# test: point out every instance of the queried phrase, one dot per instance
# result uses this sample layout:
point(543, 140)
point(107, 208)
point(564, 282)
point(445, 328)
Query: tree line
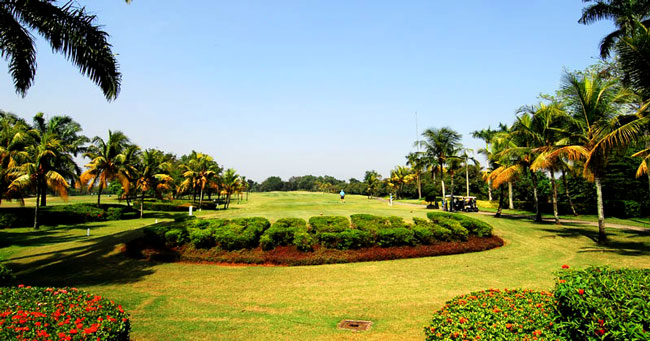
point(39, 158)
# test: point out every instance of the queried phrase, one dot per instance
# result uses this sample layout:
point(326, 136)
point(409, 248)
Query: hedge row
point(591, 304)
point(332, 232)
point(64, 214)
point(28, 313)
point(175, 206)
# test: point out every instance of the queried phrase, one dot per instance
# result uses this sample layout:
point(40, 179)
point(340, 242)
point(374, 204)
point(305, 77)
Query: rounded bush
point(28, 313)
point(395, 237)
point(304, 241)
point(201, 238)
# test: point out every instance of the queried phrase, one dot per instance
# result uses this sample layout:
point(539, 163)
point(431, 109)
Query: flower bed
point(28, 313)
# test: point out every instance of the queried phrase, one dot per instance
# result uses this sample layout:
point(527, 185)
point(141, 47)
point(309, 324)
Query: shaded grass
point(195, 301)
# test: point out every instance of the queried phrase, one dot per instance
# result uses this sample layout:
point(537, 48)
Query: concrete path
point(531, 217)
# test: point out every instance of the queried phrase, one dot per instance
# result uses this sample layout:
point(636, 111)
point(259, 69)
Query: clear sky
point(313, 87)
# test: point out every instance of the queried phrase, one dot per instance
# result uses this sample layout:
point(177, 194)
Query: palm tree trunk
point(554, 185)
point(500, 209)
point(602, 237)
point(417, 177)
point(141, 204)
point(99, 194)
point(568, 195)
point(36, 208)
point(538, 214)
point(466, 178)
point(511, 205)
point(201, 199)
point(444, 198)
point(43, 194)
point(489, 189)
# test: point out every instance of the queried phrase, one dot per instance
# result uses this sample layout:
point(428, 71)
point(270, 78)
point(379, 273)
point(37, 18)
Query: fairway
point(176, 301)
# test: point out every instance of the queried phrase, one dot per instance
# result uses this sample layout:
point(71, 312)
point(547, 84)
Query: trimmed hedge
point(329, 223)
point(64, 214)
point(604, 304)
point(399, 236)
point(283, 232)
point(368, 222)
point(346, 240)
point(6, 275)
point(473, 225)
point(60, 314)
point(458, 232)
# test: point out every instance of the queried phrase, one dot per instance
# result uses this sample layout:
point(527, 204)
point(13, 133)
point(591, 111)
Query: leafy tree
point(272, 183)
point(439, 145)
point(151, 174)
point(417, 162)
point(70, 31)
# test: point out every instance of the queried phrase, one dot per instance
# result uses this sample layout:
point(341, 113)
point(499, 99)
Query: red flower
point(601, 322)
point(73, 331)
point(565, 266)
point(581, 292)
point(600, 332)
point(562, 281)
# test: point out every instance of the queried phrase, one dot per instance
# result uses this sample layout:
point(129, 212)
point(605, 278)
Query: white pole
point(88, 232)
point(191, 210)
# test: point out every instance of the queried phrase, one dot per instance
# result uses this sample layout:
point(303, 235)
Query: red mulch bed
point(289, 255)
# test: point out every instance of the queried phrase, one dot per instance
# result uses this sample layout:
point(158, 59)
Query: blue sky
point(313, 87)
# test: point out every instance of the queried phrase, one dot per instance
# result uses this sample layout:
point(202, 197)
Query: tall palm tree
point(107, 162)
point(439, 144)
point(14, 138)
point(467, 158)
point(151, 174)
point(230, 182)
point(70, 30)
point(417, 163)
point(624, 13)
point(372, 180)
point(486, 135)
point(67, 131)
point(399, 177)
point(36, 170)
point(199, 172)
point(595, 104)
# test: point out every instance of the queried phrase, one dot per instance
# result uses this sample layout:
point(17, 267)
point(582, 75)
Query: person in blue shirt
point(342, 196)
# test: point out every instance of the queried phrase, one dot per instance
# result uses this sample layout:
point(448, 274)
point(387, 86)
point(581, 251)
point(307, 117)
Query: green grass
point(200, 301)
point(640, 221)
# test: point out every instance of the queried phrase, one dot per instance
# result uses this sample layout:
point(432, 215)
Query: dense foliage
point(28, 313)
point(64, 214)
point(591, 304)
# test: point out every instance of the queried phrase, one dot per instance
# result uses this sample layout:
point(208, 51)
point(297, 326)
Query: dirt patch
point(355, 325)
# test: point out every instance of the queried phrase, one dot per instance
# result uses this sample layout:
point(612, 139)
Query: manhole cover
point(355, 325)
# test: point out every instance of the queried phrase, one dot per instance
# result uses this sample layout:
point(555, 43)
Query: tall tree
point(151, 174)
point(417, 163)
point(439, 144)
point(14, 138)
point(486, 135)
point(70, 30)
point(107, 162)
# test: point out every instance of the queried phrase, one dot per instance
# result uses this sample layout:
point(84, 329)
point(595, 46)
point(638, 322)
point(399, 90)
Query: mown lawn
point(202, 301)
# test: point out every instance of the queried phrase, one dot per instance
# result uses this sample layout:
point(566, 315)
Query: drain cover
point(355, 325)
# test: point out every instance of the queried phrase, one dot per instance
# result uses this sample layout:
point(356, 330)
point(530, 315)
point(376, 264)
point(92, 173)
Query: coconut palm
point(417, 163)
point(70, 30)
point(107, 162)
point(486, 135)
point(14, 138)
point(151, 174)
point(230, 182)
point(399, 177)
point(36, 170)
point(465, 156)
point(199, 173)
point(624, 13)
point(439, 144)
point(67, 131)
point(595, 105)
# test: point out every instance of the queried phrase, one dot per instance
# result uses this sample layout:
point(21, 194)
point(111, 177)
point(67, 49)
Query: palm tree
point(66, 130)
point(70, 31)
point(467, 158)
point(595, 104)
point(486, 135)
point(230, 182)
point(417, 163)
point(440, 144)
point(151, 174)
point(624, 13)
point(399, 177)
point(199, 172)
point(107, 162)
point(14, 138)
point(36, 170)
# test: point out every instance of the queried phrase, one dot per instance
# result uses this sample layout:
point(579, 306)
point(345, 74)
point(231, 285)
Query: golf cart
point(460, 203)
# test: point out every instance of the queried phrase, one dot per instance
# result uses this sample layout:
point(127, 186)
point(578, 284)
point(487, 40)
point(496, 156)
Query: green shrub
point(604, 304)
point(474, 226)
point(60, 314)
point(182, 217)
point(495, 315)
point(7, 221)
point(291, 222)
point(399, 236)
point(201, 238)
point(329, 223)
point(368, 222)
point(354, 239)
point(424, 234)
point(6, 275)
point(458, 232)
point(176, 236)
point(156, 233)
point(304, 241)
point(623, 208)
point(114, 213)
point(282, 233)
point(441, 233)
point(175, 206)
point(229, 238)
point(199, 223)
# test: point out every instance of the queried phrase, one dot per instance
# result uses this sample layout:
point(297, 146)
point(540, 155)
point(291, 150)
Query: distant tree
point(272, 183)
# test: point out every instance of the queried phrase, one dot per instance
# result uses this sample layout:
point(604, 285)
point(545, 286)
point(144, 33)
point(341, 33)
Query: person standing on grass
point(342, 196)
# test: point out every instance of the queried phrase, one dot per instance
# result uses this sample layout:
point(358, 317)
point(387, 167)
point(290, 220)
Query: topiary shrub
point(399, 236)
point(474, 226)
point(354, 239)
point(176, 236)
point(495, 315)
point(304, 241)
point(60, 314)
point(604, 304)
point(458, 232)
point(329, 223)
point(201, 238)
point(368, 222)
point(424, 234)
point(282, 233)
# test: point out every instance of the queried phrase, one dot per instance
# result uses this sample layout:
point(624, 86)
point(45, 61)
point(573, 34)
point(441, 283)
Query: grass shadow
point(615, 244)
point(96, 262)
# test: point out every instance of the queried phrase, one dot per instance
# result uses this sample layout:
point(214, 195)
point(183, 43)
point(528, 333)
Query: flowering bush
point(28, 313)
point(496, 315)
point(602, 303)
